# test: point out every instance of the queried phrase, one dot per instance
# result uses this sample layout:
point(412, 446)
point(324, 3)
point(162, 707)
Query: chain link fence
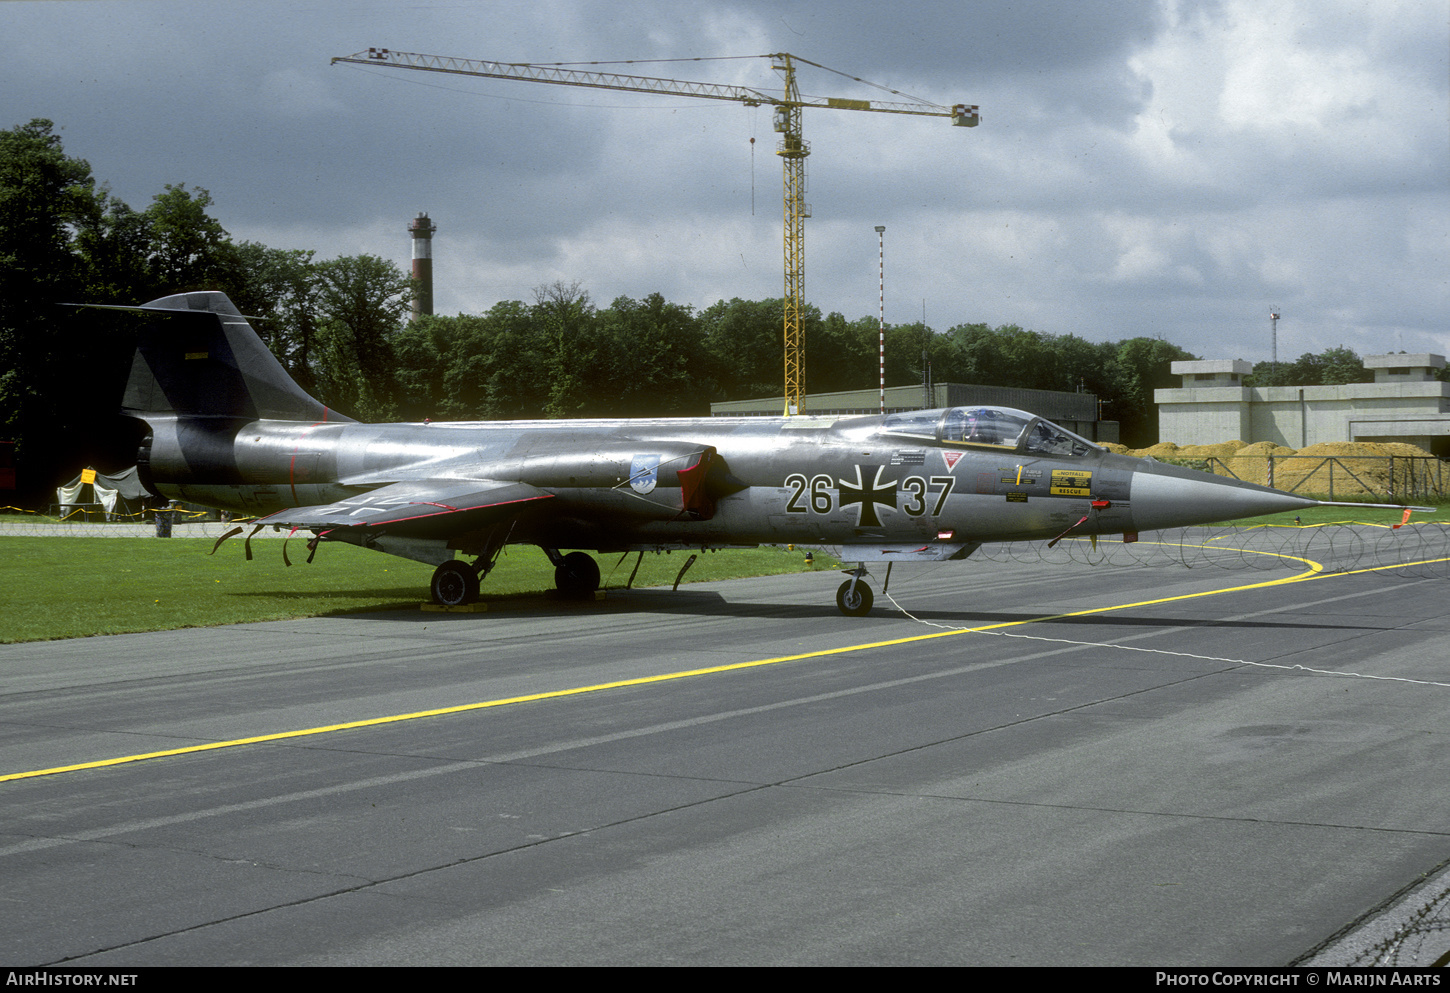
point(1393, 477)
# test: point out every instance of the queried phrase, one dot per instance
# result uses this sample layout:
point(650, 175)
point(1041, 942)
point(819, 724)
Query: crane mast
point(793, 150)
point(792, 147)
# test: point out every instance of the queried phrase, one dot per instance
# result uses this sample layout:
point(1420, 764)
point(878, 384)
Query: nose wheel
point(854, 598)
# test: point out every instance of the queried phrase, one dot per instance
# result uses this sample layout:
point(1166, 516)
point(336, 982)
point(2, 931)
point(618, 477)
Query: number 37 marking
point(822, 500)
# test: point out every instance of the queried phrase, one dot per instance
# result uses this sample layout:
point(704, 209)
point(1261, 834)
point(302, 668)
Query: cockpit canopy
point(991, 427)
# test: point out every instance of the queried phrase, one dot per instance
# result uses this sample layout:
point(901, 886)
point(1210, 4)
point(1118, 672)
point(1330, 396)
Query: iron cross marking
point(868, 495)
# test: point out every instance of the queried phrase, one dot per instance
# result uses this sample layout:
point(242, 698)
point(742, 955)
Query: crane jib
point(793, 148)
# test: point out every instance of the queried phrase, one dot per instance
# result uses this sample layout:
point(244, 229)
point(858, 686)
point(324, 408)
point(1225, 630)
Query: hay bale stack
point(1251, 462)
point(1221, 450)
point(1162, 450)
point(1410, 451)
point(1201, 454)
point(1361, 467)
point(1364, 460)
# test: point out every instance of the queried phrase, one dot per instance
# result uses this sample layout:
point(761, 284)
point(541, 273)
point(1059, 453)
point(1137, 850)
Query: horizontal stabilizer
point(418, 508)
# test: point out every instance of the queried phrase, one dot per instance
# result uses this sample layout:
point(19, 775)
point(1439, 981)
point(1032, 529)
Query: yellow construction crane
point(792, 147)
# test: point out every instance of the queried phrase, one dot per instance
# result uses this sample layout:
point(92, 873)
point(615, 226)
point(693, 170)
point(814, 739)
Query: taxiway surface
point(1118, 787)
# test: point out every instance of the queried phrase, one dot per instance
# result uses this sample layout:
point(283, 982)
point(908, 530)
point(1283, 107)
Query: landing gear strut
point(454, 583)
point(854, 598)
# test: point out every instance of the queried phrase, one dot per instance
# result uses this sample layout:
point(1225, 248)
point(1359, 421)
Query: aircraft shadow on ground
point(708, 603)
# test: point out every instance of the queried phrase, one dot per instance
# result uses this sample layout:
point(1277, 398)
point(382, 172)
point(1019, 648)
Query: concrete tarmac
point(1150, 783)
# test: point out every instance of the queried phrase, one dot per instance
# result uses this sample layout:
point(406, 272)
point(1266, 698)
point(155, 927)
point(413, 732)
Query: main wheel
point(454, 584)
point(577, 575)
point(857, 602)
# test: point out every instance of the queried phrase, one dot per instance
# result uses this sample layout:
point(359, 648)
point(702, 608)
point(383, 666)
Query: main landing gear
point(576, 574)
point(455, 583)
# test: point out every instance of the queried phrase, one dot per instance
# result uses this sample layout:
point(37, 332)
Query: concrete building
point(1405, 403)
point(1078, 412)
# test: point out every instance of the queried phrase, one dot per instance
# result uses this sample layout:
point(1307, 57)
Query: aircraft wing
point(418, 508)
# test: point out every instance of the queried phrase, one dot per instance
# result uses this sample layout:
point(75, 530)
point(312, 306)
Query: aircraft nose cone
point(1165, 496)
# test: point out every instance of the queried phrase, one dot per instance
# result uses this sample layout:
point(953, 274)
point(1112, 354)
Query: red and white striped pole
point(881, 265)
point(422, 230)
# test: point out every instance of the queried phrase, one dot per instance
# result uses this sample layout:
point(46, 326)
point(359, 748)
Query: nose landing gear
point(854, 598)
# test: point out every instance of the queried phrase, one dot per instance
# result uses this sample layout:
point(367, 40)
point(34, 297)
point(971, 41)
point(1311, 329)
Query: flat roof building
point(1405, 403)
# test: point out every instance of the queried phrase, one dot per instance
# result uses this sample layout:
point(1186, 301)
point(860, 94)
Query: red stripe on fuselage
point(292, 466)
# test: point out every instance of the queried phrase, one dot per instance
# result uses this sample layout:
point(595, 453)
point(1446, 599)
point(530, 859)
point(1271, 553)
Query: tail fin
point(204, 359)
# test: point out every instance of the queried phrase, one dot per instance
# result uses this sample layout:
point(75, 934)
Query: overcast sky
point(1171, 168)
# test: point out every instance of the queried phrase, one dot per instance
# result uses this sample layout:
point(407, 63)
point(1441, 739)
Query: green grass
point(76, 587)
point(1351, 515)
point(55, 587)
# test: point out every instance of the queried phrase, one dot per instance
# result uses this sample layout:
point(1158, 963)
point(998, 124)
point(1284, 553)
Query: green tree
point(361, 300)
point(1331, 367)
point(744, 342)
point(648, 360)
point(116, 254)
point(840, 354)
point(505, 361)
point(1141, 366)
point(1339, 366)
point(564, 319)
point(54, 368)
point(473, 367)
point(422, 352)
point(189, 249)
point(280, 289)
point(1086, 365)
point(905, 345)
point(975, 356)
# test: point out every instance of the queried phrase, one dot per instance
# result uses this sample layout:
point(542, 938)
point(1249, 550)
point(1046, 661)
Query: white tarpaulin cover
point(124, 485)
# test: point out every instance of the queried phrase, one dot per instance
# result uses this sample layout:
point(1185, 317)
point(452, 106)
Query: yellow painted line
point(1332, 524)
point(1314, 571)
point(1384, 568)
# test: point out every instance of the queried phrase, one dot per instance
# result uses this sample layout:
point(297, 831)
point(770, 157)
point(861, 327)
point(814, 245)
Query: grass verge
point(1346, 515)
point(77, 587)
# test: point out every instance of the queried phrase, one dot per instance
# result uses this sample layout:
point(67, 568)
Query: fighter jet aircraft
point(228, 428)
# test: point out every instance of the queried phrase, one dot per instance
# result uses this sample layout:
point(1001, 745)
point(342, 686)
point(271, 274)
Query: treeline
point(562, 357)
point(66, 239)
point(1331, 367)
point(339, 327)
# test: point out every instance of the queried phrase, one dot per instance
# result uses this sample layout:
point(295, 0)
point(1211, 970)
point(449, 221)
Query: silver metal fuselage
point(228, 427)
point(813, 480)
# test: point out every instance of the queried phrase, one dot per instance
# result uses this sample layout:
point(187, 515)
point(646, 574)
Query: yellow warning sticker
point(1071, 482)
